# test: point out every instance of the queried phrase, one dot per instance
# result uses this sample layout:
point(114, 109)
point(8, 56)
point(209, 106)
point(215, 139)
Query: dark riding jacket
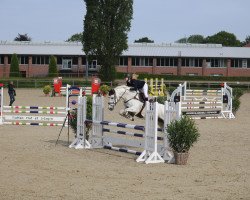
point(135, 84)
point(11, 89)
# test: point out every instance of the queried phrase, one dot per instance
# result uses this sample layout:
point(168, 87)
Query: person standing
point(12, 92)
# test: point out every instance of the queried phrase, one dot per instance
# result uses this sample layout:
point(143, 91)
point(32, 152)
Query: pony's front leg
point(129, 113)
point(123, 112)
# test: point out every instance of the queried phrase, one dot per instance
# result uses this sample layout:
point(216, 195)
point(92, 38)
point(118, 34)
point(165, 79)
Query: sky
point(164, 21)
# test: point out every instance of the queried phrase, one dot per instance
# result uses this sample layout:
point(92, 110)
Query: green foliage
point(235, 105)
point(73, 118)
point(75, 38)
point(47, 89)
point(237, 93)
point(107, 72)
point(89, 107)
point(246, 41)
point(198, 39)
point(14, 66)
point(106, 26)
point(182, 134)
point(161, 99)
point(22, 37)
point(220, 79)
point(170, 90)
point(104, 89)
point(144, 39)
point(73, 121)
point(224, 38)
point(53, 72)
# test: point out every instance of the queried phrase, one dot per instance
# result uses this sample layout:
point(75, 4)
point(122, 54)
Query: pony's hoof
point(139, 115)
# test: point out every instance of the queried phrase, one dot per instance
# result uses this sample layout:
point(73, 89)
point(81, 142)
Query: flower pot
point(181, 158)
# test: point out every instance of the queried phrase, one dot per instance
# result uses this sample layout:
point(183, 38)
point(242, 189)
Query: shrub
point(14, 66)
point(161, 100)
point(53, 72)
point(182, 134)
point(237, 92)
point(46, 89)
point(104, 89)
point(235, 105)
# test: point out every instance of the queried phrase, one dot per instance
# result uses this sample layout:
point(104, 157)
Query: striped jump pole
point(40, 115)
point(138, 153)
point(127, 133)
point(99, 140)
point(33, 124)
point(204, 104)
point(35, 107)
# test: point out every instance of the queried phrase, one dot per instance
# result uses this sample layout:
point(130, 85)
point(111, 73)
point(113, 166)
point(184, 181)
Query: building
point(169, 59)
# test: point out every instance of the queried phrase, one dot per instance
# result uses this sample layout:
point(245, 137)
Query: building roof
point(136, 49)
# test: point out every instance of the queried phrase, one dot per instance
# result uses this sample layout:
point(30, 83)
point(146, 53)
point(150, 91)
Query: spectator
point(12, 92)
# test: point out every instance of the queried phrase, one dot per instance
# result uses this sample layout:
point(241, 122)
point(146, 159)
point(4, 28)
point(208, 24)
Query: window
point(168, 62)
point(84, 60)
point(59, 60)
point(135, 61)
point(142, 61)
point(1, 59)
point(240, 63)
point(123, 61)
point(244, 63)
point(75, 60)
point(92, 65)
point(66, 63)
point(215, 62)
point(191, 62)
point(40, 60)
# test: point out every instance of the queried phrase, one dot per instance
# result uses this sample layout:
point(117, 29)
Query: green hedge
point(187, 78)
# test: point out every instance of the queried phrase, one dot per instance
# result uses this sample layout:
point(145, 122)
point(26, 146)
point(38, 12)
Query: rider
point(140, 85)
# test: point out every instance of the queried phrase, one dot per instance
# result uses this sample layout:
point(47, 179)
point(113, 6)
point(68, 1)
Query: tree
point(144, 39)
point(22, 37)
point(75, 38)
point(182, 40)
point(224, 38)
point(106, 26)
point(14, 66)
point(52, 67)
point(247, 40)
point(196, 39)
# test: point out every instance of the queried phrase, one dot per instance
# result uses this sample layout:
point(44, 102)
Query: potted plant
point(104, 89)
point(182, 134)
point(46, 90)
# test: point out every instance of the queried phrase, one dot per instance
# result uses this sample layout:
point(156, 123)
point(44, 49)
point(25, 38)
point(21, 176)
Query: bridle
point(113, 92)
